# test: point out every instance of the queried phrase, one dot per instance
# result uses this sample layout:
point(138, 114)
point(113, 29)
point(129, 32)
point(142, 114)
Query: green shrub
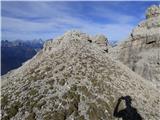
point(39, 105)
point(73, 87)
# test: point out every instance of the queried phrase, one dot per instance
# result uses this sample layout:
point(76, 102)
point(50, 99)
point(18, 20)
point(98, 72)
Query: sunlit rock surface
point(72, 78)
point(141, 52)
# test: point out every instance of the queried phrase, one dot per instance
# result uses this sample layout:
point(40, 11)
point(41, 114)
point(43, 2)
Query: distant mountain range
point(14, 53)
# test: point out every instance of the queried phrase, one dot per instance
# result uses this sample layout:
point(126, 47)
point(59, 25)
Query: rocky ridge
point(141, 51)
point(74, 78)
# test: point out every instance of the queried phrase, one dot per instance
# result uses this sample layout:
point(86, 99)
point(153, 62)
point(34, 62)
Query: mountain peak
point(73, 78)
point(153, 11)
point(76, 37)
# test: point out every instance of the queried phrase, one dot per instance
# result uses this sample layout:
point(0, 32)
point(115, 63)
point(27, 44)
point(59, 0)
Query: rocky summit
point(74, 78)
point(141, 51)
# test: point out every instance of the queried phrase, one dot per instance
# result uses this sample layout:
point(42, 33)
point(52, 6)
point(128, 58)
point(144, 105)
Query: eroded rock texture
point(141, 52)
point(72, 78)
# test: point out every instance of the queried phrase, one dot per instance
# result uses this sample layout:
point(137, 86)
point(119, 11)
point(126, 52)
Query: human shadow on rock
point(129, 113)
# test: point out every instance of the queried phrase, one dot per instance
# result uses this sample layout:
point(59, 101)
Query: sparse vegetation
point(17, 93)
point(51, 83)
point(48, 68)
point(62, 82)
point(73, 87)
point(30, 104)
point(62, 68)
point(92, 112)
point(94, 82)
point(33, 92)
point(37, 77)
point(80, 118)
point(39, 105)
point(31, 116)
point(84, 90)
point(70, 95)
point(55, 115)
point(12, 111)
point(45, 91)
point(4, 101)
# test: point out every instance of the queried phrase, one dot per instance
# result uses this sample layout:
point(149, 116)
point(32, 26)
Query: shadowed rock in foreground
point(74, 78)
point(128, 113)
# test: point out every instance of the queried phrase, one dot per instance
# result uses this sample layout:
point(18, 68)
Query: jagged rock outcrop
point(141, 52)
point(153, 11)
point(102, 41)
point(72, 78)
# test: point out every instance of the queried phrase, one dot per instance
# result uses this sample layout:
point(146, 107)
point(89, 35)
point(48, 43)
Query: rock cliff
point(72, 78)
point(141, 52)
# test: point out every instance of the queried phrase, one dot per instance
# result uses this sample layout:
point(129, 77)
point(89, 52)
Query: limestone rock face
point(74, 79)
point(153, 11)
point(141, 52)
point(102, 41)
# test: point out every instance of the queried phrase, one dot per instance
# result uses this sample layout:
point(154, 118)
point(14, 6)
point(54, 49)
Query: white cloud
point(114, 16)
point(58, 19)
point(24, 29)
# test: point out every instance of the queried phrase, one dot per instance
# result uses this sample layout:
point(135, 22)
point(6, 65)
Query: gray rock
point(74, 79)
point(141, 52)
point(102, 41)
point(153, 11)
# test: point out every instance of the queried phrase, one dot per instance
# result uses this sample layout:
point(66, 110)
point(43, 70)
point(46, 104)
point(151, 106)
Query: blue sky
point(34, 20)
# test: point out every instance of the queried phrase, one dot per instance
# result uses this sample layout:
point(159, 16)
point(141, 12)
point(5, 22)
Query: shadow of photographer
point(129, 113)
